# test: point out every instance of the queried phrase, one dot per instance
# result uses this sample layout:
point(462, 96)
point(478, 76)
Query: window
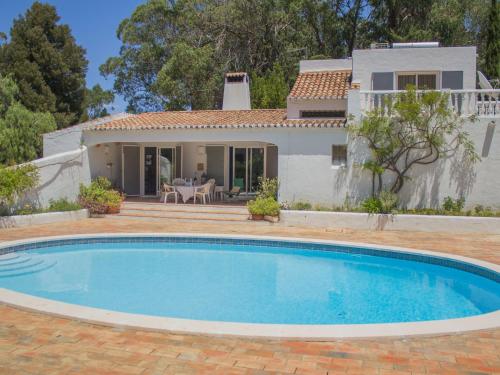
point(322, 114)
point(233, 79)
point(339, 155)
point(420, 81)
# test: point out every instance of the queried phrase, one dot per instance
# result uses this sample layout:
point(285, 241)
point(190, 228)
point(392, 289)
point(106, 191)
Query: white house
point(305, 145)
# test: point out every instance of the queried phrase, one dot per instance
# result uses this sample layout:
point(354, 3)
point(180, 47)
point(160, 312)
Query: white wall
point(106, 160)
point(365, 62)
point(60, 177)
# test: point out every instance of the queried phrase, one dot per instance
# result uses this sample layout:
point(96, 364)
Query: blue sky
point(93, 24)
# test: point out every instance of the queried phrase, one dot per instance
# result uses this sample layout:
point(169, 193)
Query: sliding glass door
point(248, 164)
point(166, 165)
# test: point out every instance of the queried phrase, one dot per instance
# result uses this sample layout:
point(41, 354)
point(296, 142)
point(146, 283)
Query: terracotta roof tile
point(214, 119)
point(321, 85)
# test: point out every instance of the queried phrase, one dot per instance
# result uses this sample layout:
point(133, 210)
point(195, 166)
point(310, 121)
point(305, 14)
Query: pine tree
point(47, 64)
point(492, 53)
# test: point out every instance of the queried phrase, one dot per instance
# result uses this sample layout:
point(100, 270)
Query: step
point(174, 219)
point(14, 260)
point(38, 267)
point(184, 214)
point(14, 267)
point(185, 207)
point(8, 256)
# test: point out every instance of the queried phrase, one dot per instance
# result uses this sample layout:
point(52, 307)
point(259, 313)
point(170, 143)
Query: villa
point(305, 145)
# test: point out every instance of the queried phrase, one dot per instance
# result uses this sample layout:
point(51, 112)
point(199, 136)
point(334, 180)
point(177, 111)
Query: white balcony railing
point(482, 103)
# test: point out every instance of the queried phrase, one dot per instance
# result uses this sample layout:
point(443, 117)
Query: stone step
point(184, 214)
point(185, 219)
point(189, 207)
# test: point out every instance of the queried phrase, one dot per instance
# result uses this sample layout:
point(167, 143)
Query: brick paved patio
point(32, 343)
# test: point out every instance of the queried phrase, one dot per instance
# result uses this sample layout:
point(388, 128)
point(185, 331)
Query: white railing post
point(482, 103)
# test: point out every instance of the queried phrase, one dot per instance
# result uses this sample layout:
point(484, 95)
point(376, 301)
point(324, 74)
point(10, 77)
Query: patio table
point(187, 192)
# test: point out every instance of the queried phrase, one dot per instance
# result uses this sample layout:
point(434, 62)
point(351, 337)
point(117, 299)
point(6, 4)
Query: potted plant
point(99, 198)
point(264, 208)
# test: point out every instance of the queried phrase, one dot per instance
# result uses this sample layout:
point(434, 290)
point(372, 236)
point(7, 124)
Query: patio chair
point(203, 192)
point(212, 189)
point(168, 190)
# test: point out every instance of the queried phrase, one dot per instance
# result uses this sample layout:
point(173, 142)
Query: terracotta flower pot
point(113, 210)
point(257, 217)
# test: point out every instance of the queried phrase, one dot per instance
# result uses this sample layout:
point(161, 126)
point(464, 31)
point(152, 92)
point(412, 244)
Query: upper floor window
point(322, 114)
point(422, 81)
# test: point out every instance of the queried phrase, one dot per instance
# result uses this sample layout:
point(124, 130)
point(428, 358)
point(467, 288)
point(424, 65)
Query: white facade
point(304, 155)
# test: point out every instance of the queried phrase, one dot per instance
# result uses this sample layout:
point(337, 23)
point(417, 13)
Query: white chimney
point(236, 91)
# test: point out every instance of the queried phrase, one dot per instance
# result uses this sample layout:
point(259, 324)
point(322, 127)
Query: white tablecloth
point(187, 192)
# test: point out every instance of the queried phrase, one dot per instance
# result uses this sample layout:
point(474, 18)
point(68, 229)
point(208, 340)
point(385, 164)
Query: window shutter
point(453, 80)
point(383, 81)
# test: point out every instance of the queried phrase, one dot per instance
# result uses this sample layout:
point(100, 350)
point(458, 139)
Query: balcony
point(481, 103)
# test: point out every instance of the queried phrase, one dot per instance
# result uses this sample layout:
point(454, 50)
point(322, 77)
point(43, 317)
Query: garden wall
point(423, 223)
point(45, 218)
point(60, 177)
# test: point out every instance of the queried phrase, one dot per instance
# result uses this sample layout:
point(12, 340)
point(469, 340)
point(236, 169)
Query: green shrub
point(372, 205)
point(388, 202)
point(62, 205)
point(103, 183)
point(301, 206)
point(319, 207)
point(16, 181)
point(264, 206)
point(98, 198)
point(27, 209)
point(268, 188)
point(453, 205)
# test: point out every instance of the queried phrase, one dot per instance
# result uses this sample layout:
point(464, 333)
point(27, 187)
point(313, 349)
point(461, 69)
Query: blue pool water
point(248, 283)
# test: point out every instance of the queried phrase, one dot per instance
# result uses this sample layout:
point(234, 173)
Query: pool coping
point(252, 330)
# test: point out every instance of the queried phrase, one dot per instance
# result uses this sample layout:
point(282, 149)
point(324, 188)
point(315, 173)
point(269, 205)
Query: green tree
point(47, 64)
point(414, 129)
point(492, 47)
point(20, 129)
point(189, 79)
point(269, 90)
point(96, 102)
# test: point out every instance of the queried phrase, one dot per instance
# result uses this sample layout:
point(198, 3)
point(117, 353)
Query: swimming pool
point(250, 281)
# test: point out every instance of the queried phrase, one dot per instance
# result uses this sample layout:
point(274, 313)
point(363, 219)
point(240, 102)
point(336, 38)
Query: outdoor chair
point(212, 189)
point(168, 190)
point(203, 192)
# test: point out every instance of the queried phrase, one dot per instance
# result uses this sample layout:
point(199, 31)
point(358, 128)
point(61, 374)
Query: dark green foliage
point(453, 205)
point(269, 90)
point(492, 47)
point(174, 53)
point(47, 64)
point(96, 100)
point(20, 129)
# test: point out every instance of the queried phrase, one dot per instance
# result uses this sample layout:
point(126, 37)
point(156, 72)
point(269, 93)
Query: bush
point(62, 205)
point(103, 183)
point(453, 205)
point(98, 198)
point(16, 181)
point(388, 202)
point(268, 188)
point(372, 205)
point(301, 206)
point(264, 206)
